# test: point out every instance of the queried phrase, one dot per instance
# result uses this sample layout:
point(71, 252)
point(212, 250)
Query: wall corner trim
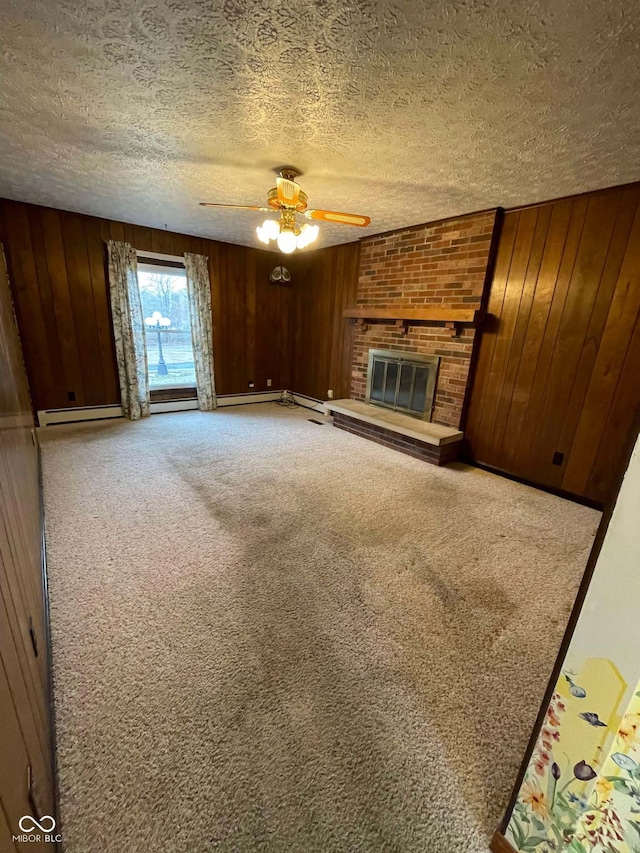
point(499, 844)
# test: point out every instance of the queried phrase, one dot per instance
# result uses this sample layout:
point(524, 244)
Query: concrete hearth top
point(394, 421)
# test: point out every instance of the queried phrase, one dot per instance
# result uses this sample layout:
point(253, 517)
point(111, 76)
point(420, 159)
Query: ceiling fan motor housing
point(274, 199)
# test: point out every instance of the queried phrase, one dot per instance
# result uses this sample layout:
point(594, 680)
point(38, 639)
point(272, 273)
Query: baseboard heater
point(309, 402)
point(84, 413)
point(47, 417)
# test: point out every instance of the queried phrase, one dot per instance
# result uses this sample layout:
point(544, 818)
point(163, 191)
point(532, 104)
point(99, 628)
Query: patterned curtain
point(199, 289)
point(128, 328)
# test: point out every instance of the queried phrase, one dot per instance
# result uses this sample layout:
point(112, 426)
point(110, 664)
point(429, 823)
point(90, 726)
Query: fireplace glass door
point(404, 382)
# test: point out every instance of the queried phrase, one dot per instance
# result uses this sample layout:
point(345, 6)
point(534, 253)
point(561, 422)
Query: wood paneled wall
point(558, 368)
point(324, 283)
point(57, 267)
point(253, 334)
point(25, 733)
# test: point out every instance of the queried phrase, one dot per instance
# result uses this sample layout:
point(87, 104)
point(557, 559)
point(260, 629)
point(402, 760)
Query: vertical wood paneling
point(528, 365)
point(24, 694)
point(58, 270)
point(608, 379)
point(490, 336)
point(63, 316)
point(46, 298)
point(250, 317)
point(20, 592)
point(81, 287)
point(507, 332)
point(24, 279)
point(6, 842)
point(325, 282)
point(511, 268)
point(528, 440)
point(508, 400)
point(96, 253)
point(25, 736)
point(116, 232)
point(616, 429)
point(593, 342)
point(570, 340)
point(553, 373)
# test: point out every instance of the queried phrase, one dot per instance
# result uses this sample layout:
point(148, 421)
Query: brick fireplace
point(439, 264)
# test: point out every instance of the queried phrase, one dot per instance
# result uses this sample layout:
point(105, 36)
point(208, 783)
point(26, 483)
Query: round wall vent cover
point(281, 275)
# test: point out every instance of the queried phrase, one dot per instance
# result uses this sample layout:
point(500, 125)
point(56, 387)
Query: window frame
point(168, 264)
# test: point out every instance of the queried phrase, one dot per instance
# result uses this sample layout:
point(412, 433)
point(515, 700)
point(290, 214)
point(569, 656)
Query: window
point(165, 306)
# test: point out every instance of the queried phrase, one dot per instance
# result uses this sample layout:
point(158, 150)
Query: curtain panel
point(199, 289)
point(128, 329)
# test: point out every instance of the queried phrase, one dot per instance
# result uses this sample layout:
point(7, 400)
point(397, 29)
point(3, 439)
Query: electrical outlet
point(268, 383)
point(329, 394)
point(252, 384)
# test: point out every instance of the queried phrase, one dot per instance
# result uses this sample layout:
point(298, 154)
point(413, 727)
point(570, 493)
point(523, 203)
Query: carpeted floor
point(270, 635)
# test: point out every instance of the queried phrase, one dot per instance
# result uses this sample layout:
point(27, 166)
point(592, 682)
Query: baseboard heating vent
point(77, 414)
point(308, 402)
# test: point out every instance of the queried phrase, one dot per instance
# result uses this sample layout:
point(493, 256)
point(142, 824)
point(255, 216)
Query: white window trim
point(157, 269)
point(157, 256)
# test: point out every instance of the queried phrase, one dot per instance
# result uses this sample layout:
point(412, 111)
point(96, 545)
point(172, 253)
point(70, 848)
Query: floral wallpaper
point(581, 792)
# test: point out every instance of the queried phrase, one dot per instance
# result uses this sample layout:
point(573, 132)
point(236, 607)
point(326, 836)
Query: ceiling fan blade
point(288, 191)
point(234, 206)
point(342, 218)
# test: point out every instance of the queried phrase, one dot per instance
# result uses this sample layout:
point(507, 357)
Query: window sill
point(175, 392)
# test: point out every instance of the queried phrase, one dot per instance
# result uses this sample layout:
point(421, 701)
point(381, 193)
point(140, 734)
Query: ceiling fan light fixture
point(262, 235)
point(308, 235)
point(287, 242)
point(271, 228)
point(288, 199)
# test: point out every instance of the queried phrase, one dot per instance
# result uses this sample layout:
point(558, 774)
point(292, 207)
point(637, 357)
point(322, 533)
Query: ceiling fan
point(288, 198)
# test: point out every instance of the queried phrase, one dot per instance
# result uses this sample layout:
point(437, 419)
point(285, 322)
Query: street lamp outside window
point(158, 322)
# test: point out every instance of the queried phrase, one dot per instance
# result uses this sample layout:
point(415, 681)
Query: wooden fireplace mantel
point(404, 315)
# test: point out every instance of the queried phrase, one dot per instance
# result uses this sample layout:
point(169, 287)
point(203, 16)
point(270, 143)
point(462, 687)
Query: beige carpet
point(270, 635)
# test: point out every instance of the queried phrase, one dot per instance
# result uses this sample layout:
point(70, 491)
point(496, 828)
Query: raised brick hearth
point(439, 264)
point(430, 442)
point(436, 454)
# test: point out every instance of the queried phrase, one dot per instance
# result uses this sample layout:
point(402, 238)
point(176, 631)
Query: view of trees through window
point(165, 307)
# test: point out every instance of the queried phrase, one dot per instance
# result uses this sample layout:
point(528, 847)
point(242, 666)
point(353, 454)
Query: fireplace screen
point(404, 382)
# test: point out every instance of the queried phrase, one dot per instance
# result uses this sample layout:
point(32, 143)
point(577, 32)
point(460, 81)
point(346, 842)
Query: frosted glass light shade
point(271, 228)
point(287, 242)
point(307, 235)
point(262, 236)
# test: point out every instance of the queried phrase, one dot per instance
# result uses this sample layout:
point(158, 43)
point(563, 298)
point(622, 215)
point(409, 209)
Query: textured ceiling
point(403, 110)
